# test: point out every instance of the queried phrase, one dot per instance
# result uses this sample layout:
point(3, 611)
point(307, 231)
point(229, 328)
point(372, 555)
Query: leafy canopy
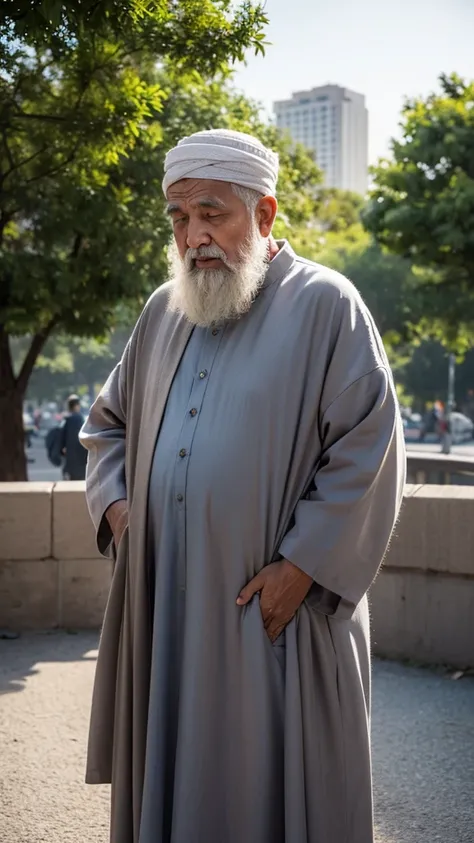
point(422, 204)
point(91, 234)
point(202, 34)
point(82, 88)
point(82, 144)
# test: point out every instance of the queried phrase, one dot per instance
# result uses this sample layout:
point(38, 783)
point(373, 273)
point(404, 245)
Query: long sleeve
point(104, 436)
point(342, 529)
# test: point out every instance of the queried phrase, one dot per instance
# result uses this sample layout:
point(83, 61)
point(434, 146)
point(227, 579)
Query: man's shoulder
point(316, 284)
point(324, 281)
point(158, 300)
point(152, 314)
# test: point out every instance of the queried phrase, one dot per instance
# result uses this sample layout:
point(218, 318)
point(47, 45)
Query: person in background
point(75, 456)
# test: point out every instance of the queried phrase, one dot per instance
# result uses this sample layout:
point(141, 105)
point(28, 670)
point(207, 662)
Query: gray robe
point(279, 436)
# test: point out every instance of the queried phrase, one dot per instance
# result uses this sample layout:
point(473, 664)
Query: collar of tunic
point(280, 264)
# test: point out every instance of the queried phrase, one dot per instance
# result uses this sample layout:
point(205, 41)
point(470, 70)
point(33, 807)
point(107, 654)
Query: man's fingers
point(250, 589)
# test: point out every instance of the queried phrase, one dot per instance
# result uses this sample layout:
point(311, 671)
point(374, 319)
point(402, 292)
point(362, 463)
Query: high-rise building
point(333, 123)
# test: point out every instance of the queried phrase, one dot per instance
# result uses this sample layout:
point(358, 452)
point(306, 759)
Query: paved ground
point(423, 738)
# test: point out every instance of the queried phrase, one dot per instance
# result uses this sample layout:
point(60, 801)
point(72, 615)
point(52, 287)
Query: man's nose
point(197, 235)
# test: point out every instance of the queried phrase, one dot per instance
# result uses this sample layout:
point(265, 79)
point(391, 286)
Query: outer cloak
point(325, 482)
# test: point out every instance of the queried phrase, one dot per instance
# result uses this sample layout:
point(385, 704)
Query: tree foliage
point(422, 204)
point(84, 127)
point(81, 150)
point(423, 374)
point(71, 364)
point(201, 34)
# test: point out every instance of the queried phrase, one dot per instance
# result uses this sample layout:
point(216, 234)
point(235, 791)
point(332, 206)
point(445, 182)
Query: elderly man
point(246, 469)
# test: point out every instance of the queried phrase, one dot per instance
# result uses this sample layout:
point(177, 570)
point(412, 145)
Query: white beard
point(210, 296)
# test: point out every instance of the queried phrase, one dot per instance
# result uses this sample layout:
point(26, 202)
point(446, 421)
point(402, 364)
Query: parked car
point(417, 429)
point(462, 428)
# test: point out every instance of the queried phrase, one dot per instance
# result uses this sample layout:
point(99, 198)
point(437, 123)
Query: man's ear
point(266, 213)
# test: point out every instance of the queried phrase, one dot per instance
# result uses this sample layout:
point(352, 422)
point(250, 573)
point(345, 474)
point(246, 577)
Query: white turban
point(223, 155)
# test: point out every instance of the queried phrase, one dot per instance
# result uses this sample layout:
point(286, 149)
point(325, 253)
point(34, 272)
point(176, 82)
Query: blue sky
point(385, 50)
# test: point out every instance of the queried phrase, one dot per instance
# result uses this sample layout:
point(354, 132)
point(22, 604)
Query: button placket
point(198, 390)
point(196, 398)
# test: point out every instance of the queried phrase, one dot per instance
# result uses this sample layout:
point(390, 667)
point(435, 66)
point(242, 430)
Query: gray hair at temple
point(248, 196)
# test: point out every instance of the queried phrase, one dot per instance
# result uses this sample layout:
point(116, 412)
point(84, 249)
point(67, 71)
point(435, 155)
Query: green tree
point(424, 376)
point(201, 34)
point(70, 364)
point(422, 205)
point(79, 119)
point(86, 231)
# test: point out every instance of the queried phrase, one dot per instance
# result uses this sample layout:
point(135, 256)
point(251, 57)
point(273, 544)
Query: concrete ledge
point(73, 535)
point(435, 531)
point(28, 594)
point(422, 602)
point(427, 618)
point(25, 520)
point(51, 573)
point(83, 590)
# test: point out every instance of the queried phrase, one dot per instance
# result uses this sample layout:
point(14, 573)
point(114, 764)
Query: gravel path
point(423, 745)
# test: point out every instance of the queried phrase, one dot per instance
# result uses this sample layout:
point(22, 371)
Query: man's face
point(219, 257)
point(206, 213)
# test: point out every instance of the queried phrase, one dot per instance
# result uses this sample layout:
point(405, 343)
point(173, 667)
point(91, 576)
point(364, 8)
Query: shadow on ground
point(20, 657)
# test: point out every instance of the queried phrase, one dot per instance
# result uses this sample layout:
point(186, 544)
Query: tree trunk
point(12, 436)
point(12, 393)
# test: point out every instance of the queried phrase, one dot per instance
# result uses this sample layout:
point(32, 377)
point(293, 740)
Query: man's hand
point(117, 516)
point(282, 587)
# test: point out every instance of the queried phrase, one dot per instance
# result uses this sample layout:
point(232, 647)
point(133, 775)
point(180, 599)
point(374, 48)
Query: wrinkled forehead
point(194, 191)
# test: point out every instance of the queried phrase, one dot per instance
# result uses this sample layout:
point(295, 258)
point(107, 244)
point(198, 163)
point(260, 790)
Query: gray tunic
point(280, 438)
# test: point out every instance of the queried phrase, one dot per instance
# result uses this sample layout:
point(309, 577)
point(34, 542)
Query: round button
point(193, 412)
point(203, 374)
point(183, 452)
point(179, 498)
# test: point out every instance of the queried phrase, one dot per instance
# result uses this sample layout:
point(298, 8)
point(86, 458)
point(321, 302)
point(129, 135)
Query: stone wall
point(422, 602)
point(50, 571)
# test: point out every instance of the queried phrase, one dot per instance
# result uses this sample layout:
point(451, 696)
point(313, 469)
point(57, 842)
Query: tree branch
point(76, 246)
point(7, 376)
point(4, 220)
point(32, 157)
point(48, 173)
point(9, 154)
point(51, 118)
point(23, 163)
point(37, 344)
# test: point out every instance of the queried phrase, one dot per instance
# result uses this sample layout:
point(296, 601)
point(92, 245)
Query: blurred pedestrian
point(75, 456)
